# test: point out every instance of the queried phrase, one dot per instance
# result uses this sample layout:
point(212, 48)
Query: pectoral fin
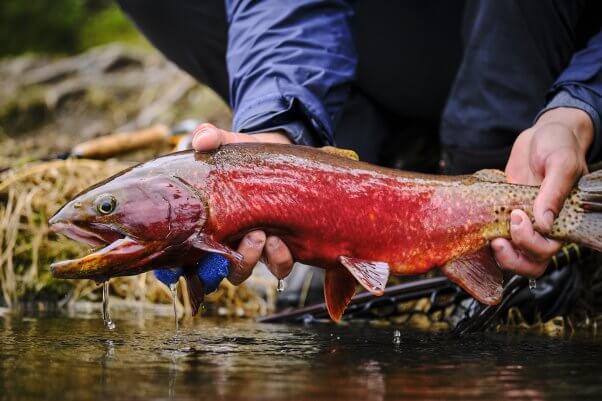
point(347, 153)
point(196, 289)
point(372, 276)
point(208, 244)
point(339, 288)
point(478, 274)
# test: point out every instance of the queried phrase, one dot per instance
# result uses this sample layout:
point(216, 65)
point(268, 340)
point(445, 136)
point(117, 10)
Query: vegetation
point(62, 26)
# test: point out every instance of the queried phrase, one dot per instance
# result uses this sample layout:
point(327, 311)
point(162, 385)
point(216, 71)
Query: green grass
point(109, 25)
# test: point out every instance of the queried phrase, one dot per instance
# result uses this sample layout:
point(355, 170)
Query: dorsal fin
point(372, 276)
point(339, 288)
point(478, 274)
point(491, 175)
point(347, 153)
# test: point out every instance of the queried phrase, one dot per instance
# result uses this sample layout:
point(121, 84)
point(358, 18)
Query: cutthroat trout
point(358, 221)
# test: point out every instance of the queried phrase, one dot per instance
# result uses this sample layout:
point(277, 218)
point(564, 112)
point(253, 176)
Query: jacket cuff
point(564, 99)
point(303, 124)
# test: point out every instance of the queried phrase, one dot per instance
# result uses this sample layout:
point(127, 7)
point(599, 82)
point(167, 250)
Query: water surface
point(60, 358)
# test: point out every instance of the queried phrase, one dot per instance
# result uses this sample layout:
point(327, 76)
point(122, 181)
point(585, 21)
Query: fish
point(360, 222)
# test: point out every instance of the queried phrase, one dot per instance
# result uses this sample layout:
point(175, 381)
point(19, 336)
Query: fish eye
point(105, 204)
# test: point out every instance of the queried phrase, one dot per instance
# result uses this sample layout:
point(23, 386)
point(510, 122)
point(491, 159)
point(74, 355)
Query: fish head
point(143, 221)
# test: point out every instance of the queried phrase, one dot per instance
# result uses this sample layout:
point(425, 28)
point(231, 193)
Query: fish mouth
point(83, 235)
point(120, 256)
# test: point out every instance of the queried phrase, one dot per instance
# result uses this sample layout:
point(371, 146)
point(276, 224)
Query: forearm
point(580, 87)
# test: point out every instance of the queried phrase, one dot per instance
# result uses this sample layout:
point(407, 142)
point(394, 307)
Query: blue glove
point(211, 270)
point(168, 276)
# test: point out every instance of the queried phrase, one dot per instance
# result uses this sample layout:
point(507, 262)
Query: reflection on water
point(59, 358)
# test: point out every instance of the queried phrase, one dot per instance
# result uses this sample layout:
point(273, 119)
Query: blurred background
point(73, 71)
point(62, 26)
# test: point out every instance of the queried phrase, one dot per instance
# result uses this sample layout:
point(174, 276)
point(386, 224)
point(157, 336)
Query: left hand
point(550, 154)
point(212, 268)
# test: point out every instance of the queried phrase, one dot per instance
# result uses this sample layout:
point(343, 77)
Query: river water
point(61, 358)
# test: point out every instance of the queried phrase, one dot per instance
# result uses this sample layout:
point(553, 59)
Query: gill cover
point(158, 208)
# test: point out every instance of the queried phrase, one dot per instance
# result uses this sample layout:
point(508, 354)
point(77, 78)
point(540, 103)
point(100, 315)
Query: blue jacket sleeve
point(580, 86)
point(290, 64)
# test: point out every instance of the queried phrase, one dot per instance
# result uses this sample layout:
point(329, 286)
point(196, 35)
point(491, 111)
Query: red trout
point(358, 221)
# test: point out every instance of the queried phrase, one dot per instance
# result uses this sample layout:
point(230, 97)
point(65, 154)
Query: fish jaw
point(99, 235)
point(122, 257)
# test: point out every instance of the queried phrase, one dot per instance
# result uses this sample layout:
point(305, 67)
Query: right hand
point(255, 244)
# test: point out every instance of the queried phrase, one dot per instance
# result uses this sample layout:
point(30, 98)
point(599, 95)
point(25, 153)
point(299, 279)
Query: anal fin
point(339, 288)
point(372, 276)
point(478, 274)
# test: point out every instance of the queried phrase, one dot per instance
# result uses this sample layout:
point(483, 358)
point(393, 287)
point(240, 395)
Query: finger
point(511, 259)
point(515, 169)
point(562, 169)
point(531, 243)
point(278, 257)
point(207, 137)
point(250, 247)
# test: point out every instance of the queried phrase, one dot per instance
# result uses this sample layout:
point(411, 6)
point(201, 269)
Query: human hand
point(253, 245)
point(550, 154)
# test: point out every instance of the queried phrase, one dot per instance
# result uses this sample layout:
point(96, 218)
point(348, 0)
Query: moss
point(62, 26)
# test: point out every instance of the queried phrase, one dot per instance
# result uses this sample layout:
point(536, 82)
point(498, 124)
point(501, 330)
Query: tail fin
point(583, 212)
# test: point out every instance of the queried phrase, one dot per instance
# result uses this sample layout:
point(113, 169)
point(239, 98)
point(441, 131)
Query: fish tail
point(581, 217)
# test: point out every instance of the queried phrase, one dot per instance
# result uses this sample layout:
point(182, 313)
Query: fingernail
point(548, 219)
point(256, 239)
point(497, 247)
point(515, 219)
point(200, 131)
point(273, 242)
point(196, 135)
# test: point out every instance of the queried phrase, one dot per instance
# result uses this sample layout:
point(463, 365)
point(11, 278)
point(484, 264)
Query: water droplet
point(532, 284)
point(106, 314)
point(173, 287)
point(397, 337)
point(280, 287)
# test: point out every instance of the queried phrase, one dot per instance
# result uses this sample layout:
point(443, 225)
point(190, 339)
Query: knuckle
point(202, 128)
point(519, 237)
point(537, 159)
point(255, 240)
point(506, 259)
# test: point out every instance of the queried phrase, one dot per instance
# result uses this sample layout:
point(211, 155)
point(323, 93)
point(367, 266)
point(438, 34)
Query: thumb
point(208, 137)
point(561, 170)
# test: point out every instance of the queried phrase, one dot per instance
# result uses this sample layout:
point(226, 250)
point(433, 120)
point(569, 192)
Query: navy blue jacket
point(291, 64)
